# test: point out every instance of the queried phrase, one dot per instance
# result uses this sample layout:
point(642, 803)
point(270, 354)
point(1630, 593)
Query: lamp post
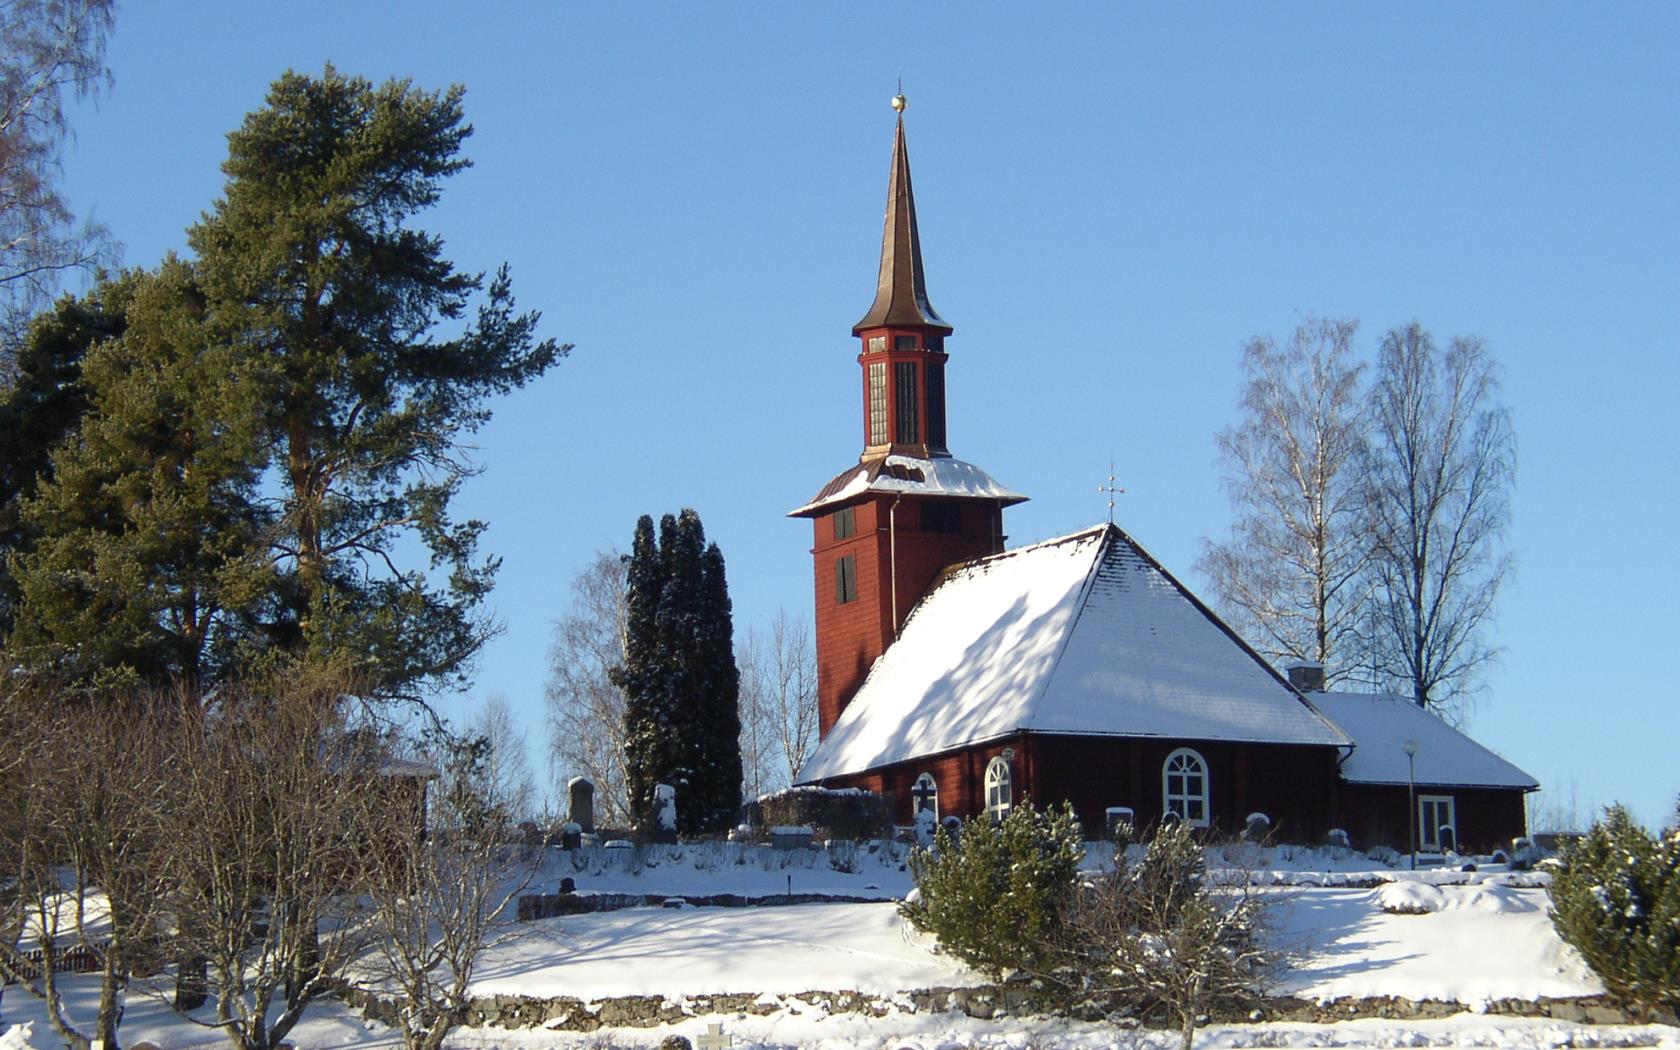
point(1411, 749)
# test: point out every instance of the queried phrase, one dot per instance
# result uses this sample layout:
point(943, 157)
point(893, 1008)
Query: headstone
point(714, 1039)
point(571, 835)
point(580, 803)
point(664, 814)
point(926, 822)
point(1257, 827)
point(796, 836)
point(923, 797)
point(953, 828)
point(529, 833)
point(1447, 838)
point(1171, 818)
point(619, 853)
point(568, 885)
point(1119, 825)
point(1337, 837)
point(1523, 853)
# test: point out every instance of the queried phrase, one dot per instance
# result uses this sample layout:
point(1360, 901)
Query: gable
point(1081, 635)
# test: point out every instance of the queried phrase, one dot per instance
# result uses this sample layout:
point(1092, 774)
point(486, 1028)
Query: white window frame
point(917, 803)
point(1429, 834)
point(1000, 788)
point(1184, 798)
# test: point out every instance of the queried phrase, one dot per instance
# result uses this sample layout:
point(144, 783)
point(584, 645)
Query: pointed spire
point(901, 294)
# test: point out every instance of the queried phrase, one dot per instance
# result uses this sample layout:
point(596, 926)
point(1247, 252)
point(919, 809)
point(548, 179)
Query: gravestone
point(953, 828)
point(571, 836)
point(1119, 825)
point(791, 837)
point(568, 885)
point(926, 822)
point(1257, 827)
point(1523, 854)
point(1447, 838)
point(664, 814)
point(580, 803)
point(619, 854)
point(1336, 838)
point(714, 1039)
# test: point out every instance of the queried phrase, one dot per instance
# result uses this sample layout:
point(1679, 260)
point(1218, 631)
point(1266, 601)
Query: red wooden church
point(959, 677)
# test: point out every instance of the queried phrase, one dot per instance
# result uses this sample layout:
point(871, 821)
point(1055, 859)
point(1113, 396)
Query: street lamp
point(1411, 749)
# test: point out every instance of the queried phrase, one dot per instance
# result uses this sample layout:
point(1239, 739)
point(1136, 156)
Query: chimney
point(1307, 676)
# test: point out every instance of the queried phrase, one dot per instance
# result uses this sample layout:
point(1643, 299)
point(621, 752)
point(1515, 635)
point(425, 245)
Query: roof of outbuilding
point(1380, 726)
point(1085, 634)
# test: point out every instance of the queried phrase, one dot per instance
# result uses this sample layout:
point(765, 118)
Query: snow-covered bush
point(996, 901)
point(1160, 940)
point(1616, 898)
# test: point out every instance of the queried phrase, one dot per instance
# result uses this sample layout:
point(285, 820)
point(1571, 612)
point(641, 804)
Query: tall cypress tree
point(682, 725)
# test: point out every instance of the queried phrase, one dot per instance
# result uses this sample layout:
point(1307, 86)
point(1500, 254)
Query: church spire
point(901, 293)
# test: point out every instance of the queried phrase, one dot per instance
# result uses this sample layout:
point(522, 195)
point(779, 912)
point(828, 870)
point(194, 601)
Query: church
point(959, 678)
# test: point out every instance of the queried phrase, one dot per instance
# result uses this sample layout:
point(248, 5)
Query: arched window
point(999, 788)
point(924, 797)
point(1184, 787)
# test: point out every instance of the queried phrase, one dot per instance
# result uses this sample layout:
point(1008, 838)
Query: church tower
point(886, 527)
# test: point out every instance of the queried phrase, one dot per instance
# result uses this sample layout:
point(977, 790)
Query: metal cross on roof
point(1111, 490)
point(714, 1039)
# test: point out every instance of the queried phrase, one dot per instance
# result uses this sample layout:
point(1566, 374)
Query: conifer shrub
point(996, 895)
point(1616, 899)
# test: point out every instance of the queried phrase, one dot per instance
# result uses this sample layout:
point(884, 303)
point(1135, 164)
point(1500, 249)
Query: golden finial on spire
point(899, 102)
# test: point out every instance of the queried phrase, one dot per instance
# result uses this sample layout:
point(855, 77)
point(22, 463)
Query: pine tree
point(682, 722)
point(310, 263)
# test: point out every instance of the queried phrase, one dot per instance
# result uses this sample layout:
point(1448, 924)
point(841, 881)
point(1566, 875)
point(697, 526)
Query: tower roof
point(901, 293)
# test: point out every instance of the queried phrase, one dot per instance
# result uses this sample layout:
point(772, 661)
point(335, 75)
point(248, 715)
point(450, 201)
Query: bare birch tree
point(585, 708)
point(778, 704)
point(1440, 470)
point(442, 897)
point(51, 51)
point(507, 772)
point(279, 810)
point(1292, 578)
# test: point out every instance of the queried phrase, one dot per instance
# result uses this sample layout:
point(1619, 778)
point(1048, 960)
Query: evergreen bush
point(996, 900)
point(1616, 899)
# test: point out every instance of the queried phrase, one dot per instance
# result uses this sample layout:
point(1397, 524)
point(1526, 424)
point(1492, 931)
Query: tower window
point(877, 344)
point(904, 342)
point(936, 405)
point(942, 515)
point(909, 426)
point(878, 403)
point(845, 579)
point(845, 522)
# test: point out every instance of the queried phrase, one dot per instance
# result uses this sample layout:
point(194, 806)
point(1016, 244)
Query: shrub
point(1616, 899)
point(995, 896)
point(843, 813)
point(1159, 939)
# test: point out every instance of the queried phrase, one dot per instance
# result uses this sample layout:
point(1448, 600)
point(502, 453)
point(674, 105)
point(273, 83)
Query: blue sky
point(1112, 199)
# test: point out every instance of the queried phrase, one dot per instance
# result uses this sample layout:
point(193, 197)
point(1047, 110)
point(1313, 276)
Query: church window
point(1185, 787)
point(877, 344)
point(845, 522)
point(1434, 813)
point(924, 797)
point(941, 515)
point(878, 403)
point(999, 788)
point(936, 405)
point(909, 427)
point(904, 342)
point(845, 579)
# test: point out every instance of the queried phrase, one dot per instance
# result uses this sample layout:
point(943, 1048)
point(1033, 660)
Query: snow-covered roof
point(1085, 634)
point(1380, 726)
point(912, 475)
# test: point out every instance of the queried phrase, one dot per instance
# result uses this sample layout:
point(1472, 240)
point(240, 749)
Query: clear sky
point(1112, 199)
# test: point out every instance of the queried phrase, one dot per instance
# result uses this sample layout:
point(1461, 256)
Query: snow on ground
point(1441, 934)
point(693, 951)
point(1466, 943)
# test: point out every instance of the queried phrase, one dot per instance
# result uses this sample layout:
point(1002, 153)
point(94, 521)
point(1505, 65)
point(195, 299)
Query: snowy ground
point(1410, 936)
